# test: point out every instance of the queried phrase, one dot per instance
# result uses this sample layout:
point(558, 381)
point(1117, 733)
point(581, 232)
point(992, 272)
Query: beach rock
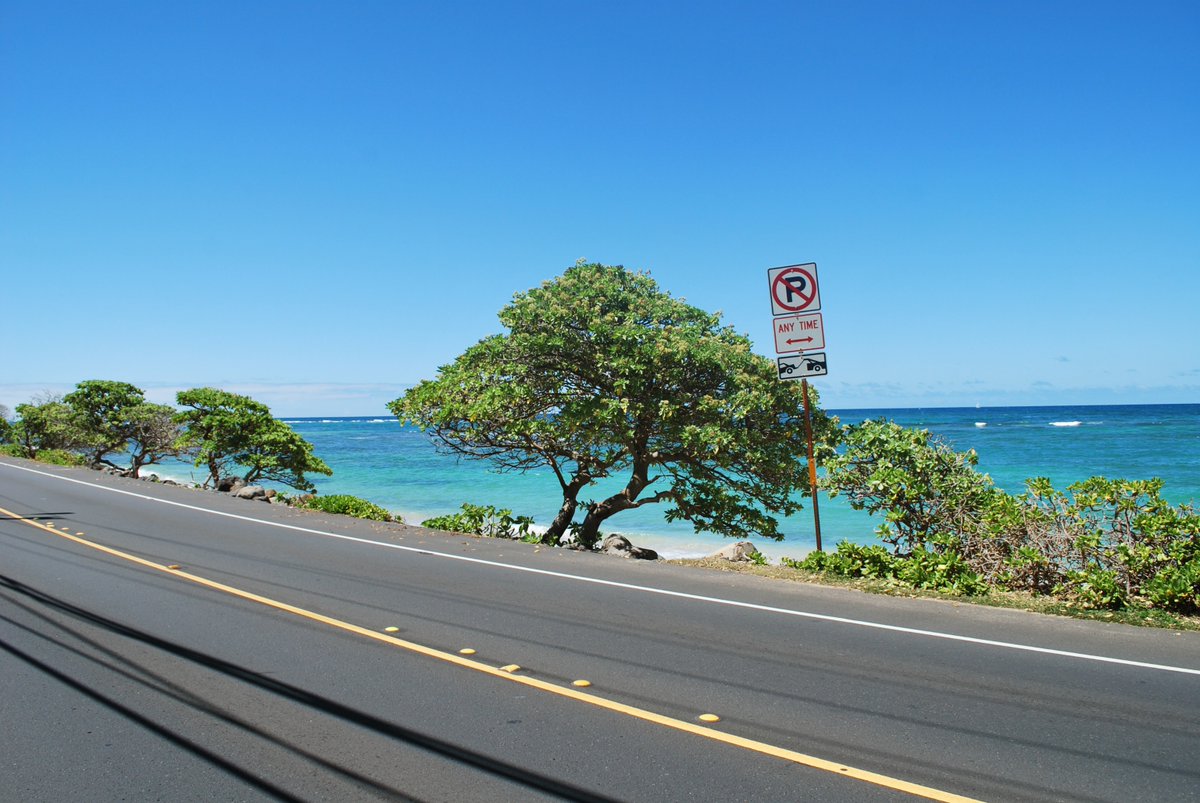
point(251, 492)
point(741, 551)
point(271, 493)
point(569, 540)
point(617, 544)
point(230, 484)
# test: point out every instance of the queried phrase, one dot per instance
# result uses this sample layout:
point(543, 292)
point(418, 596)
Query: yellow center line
point(505, 674)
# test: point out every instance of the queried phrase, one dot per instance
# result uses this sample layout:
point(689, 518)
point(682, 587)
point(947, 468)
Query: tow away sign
point(799, 333)
point(800, 366)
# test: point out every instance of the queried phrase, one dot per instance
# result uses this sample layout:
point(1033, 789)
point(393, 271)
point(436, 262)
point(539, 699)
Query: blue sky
point(319, 203)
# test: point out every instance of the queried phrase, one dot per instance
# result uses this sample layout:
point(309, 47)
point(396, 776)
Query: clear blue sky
point(319, 203)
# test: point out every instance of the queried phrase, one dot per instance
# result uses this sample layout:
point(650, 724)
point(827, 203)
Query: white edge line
point(633, 587)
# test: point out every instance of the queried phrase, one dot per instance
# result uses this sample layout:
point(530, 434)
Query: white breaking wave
point(1065, 423)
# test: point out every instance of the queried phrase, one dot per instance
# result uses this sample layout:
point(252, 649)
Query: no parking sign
point(794, 289)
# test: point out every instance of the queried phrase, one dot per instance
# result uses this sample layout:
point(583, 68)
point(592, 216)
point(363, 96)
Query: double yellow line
point(507, 673)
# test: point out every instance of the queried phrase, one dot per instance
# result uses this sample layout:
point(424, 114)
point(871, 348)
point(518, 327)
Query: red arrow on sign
point(805, 332)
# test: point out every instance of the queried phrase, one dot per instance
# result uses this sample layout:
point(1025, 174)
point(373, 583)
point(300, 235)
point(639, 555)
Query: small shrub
point(60, 457)
point(1094, 588)
point(939, 571)
point(347, 505)
point(1175, 587)
point(485, 520)
point(57, 457)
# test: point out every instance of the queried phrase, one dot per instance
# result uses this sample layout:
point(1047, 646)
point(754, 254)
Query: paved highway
point(163, 643)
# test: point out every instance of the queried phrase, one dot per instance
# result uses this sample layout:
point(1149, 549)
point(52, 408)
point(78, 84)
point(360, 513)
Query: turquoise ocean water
point(397, 467)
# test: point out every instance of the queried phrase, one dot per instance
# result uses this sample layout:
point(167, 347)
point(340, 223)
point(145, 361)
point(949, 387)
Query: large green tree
point(112, 417)
point(604, 374)
point(47, 423)
point(229, 432)
point(103, 411)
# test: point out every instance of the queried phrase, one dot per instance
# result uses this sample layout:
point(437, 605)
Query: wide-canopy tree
point(602, 373)
point(110, 416)
point(46, 424)
point(230, 432)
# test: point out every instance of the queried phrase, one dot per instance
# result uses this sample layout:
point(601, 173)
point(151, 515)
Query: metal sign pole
point(812, 464)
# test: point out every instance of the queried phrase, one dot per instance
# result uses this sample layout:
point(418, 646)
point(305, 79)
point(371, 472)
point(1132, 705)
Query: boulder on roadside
point(741, 551)
point(230, 484)
point(251, 492)
point(617, 544)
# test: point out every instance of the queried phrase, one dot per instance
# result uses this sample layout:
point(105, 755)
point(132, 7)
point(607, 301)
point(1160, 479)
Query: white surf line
point(1008, 645)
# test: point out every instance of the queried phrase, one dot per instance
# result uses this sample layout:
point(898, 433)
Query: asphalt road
point(233, 650)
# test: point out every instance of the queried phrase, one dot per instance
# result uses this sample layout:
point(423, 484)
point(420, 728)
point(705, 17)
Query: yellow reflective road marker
point(709, 718)
point(583, 684)
point(466, 651)
point(509, 673)
point(391, 629)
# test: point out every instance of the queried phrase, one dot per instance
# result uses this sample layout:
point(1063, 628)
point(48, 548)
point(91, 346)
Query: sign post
point(800, 336)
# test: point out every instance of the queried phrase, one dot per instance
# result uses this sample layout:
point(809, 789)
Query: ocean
point(397, 467)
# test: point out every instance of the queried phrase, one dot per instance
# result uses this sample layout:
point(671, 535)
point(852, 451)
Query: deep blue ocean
point(398, 468)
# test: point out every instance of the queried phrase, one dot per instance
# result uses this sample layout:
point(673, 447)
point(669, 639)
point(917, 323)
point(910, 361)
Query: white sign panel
point(801, 366)
point(799, 333)
point(794, 289)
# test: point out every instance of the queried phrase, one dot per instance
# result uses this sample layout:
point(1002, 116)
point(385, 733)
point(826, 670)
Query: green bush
point(485, 520)
point(347, 505)
point(57, 457)
point(1100, 543)
point(939, 571)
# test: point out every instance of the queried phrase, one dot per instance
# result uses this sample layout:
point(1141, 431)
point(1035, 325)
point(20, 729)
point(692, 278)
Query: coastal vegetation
point(1101, 543)
point(346, 505)
point(485, 520)
point(603, 374)
point(225, 432)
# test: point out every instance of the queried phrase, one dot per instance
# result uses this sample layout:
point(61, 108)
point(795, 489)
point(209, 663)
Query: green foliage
point(347, 505)
point(115, 417)
point(924, 488)
point(1101, 544)
point(946, 571)
point(57, 457)
point(758, 558)
point(102, 410)
point(5, 425)
point(46, 425)
point(603, 374)
point(1128, 545)
point(228, 431)
point(485, 520)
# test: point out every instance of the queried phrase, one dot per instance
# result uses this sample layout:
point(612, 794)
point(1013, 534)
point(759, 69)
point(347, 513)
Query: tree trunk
point(567, 512)
point(589, 531)
point(561, 522)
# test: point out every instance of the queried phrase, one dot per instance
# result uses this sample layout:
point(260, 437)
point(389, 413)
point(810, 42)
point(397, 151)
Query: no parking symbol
point(794, 289)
